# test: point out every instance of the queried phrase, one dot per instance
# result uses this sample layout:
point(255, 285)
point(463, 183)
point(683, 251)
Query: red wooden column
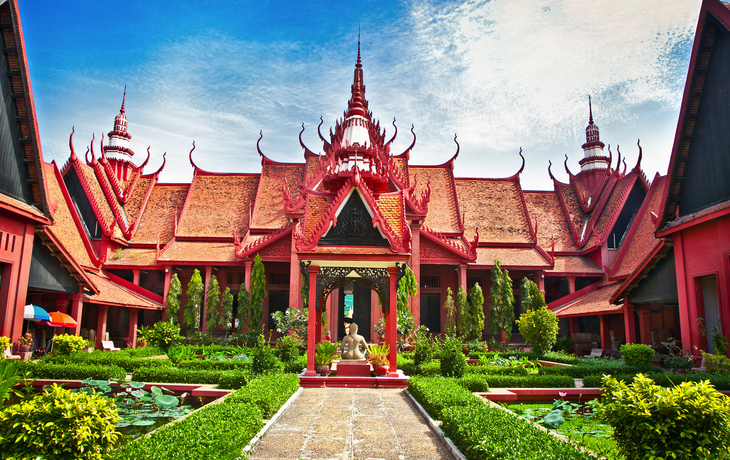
point(391, 318)
point(204, 308)
point(687, 320)
point(168, 277)
point(605, 336)
point(318, 321)
point(77, 308)
point(311, 324)
point(416, 267)
point(462, 277)
point(101, 324)
point(294, 275)
point(540, 281)
point(629, 323)
point(645, 326)
point(571, 284)
point(132, 329)
point(135, 277)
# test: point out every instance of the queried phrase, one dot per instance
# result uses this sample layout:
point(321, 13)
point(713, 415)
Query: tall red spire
point(357, 104)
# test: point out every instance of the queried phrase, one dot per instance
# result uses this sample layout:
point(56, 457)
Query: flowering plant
point(25, 339)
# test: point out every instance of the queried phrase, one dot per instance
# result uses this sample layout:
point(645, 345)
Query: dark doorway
point(278, 301)
point(431, 312)
point(360, 310)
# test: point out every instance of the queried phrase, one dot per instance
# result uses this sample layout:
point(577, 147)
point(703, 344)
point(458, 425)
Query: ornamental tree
point(475, 310)
point(251, 303)
point(195, 300)
point(539, 327)
point(532, 298)
point(227, 309)
point(450, 308)
point(212, 304)
point(501, 310)
point(407, 288)
point(173, 298)
point(461, 308)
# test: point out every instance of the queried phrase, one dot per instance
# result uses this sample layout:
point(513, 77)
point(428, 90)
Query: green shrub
point(474, 383)
point(287, 348)
point(65, 344)
point(437, 393)
point(218, 365)
point(234, 379)
point(636, 354)
point(453, 360)
point(174, 375)
point(217, 431)
point(423, 353)
point(600, 367)
point(296, 366)
point(268, 392)
point(481, 433)
point(263, 359)
point(144, 352)
point(107, 358)
point(690, 420)
point(165, 334)
point(721, 381)
point(59, 424)
point(72, 371)
point(539, 328)
point(496, 370)
point(716, 363)
point(4, 344)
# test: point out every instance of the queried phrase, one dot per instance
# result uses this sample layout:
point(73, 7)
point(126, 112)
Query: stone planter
point(23, 348)
point(381, 371)
point(322, 369)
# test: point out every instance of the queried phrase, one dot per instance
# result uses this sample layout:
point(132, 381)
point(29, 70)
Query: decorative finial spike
point(123, 99)
point(590, 111)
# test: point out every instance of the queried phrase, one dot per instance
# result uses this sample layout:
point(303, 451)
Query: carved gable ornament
point(354, 227)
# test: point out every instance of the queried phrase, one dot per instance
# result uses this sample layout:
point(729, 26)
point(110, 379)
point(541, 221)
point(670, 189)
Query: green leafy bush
point(218, 365)
point(59, 424)
point(165, 334)
point(268, 392)
point(72, 371)
point(423, 351)
point(480, 433)
point(539, 327)
point(235, 379)
point(496, 370)
point(600, 367)
point(637, 354)
point(296, 366)
point(453, 361)
point(287, 348)
point(721, 381)
point(690, 420)
point(437, 393)
point(263, 359)
point(174, 375)
point(474, 383)
point(716, 363)
point(65, 344)
point(4, 344)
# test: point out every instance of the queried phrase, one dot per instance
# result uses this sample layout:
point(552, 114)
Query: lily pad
point(554, 419)
point(136, 385)
point(156, 391)
point(138, 393)
point(166, 401)
point(144, 422)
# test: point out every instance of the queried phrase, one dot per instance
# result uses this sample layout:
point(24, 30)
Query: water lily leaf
point(165, 389)
point(139, 393)
point(123, 424)
point(144, 423)
point(136, 385)
point(146, 398)
point(156, 391)
point(554, 419)
point(166, 401)
point(105, 388)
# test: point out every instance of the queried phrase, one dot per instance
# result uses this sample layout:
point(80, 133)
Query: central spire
point(357, 104)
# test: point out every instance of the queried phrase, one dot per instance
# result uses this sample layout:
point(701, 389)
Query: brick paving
point(351, 423)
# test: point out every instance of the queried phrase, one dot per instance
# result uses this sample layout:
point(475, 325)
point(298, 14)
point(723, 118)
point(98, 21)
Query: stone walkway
point(351, 423)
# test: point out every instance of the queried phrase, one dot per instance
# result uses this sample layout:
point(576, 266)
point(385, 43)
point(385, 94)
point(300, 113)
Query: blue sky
point(501, 74)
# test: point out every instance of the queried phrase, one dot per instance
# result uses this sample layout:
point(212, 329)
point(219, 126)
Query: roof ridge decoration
point(307, 152)
point(73, 156)
point(307, 244)
point(395, 133)
point(468, 251)
point(399, 245)
point(244, 247)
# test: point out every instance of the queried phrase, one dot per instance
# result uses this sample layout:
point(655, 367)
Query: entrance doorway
point(357, 299)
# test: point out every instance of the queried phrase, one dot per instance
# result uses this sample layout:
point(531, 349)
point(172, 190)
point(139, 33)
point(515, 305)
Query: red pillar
point(168, 276)
point(540, 281)
point(391, 317)
point(629, 323)
point(571, 284)
point(61, 305)
point(645, 326)
point(135, 277)
point(14, 284)
point(462, 276)
point(204, 308)
point(311, 323)
point(101, 325)
point(416, 267)
point(605, 336)
point(318, 321)
point(294, 275)
point(686, 323)
point(77, 308)
point(132, 330)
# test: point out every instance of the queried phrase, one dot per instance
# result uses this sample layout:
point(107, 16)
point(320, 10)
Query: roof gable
point(158, 218)
point(353, 226)
point(443, 207)
point(551, 225)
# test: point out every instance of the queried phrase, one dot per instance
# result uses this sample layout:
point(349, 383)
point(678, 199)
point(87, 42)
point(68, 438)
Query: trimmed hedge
point(174, 375)
point(438, 393)
point(213, 364)
point(235, 379)
point(269, 392)
point(219, 430)
point(519, 381)
point(720, 381)
point(296, 366)
point(122, 359)
point(71, 371)
point(474, 383)
point(598, 367)
point(480, 433)
point(496, 370)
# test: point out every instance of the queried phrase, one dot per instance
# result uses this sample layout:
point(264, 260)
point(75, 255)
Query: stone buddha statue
point(353, 342)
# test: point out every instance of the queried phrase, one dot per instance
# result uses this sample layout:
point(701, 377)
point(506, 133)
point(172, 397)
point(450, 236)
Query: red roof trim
point(24, 213)
point(712, 213)
point(577, 295)
point(134, 288)
point(441, 240)
point(243, 250)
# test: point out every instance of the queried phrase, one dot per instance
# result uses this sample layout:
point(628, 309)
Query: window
point(430, 281)
point(278, 279)
point(236, 278)
point(431, 312)
point(472, 280)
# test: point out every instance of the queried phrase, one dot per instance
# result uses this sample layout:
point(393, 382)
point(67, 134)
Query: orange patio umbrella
point(59, 319)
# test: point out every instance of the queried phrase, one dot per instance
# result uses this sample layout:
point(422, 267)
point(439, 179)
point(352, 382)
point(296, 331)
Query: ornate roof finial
point(124, 97)
point(590, 111)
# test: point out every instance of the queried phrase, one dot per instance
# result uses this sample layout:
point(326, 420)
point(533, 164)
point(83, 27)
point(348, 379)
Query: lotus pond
point(142, 411)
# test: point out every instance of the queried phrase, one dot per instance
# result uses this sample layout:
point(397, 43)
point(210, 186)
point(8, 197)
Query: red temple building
point(346, 222)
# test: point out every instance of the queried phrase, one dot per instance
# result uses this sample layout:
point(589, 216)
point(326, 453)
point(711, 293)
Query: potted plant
point(24, 342)
point(677, 360)
point(323, 356)
point(378, 358)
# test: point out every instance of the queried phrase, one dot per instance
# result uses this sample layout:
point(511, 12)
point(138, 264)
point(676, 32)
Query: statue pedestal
point(353, 368)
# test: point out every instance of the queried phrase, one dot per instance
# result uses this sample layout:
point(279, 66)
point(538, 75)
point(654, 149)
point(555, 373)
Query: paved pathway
point(350, 423)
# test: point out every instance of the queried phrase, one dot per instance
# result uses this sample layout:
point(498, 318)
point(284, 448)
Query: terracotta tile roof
point(316, 210)
point(216, 203)
point(133, 205)
point(12, 202)
point(312, 169)
point(595, 303)
point(431, 251)
point(575, 265)
point(159, 214)
point(193, 251)
point(133, 256)
point(400, 170)
point(392, 207)
point(443, 213)
point(511, 258)
point(496, 207)
point(548, 217)
point(97, 194)
point(113, 294)
point(642, 242)
point(269, 211)
point(64, 228)
point(613, 206)
point(576, 217)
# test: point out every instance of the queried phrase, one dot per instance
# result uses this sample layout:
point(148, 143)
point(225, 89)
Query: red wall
point(16, 245)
